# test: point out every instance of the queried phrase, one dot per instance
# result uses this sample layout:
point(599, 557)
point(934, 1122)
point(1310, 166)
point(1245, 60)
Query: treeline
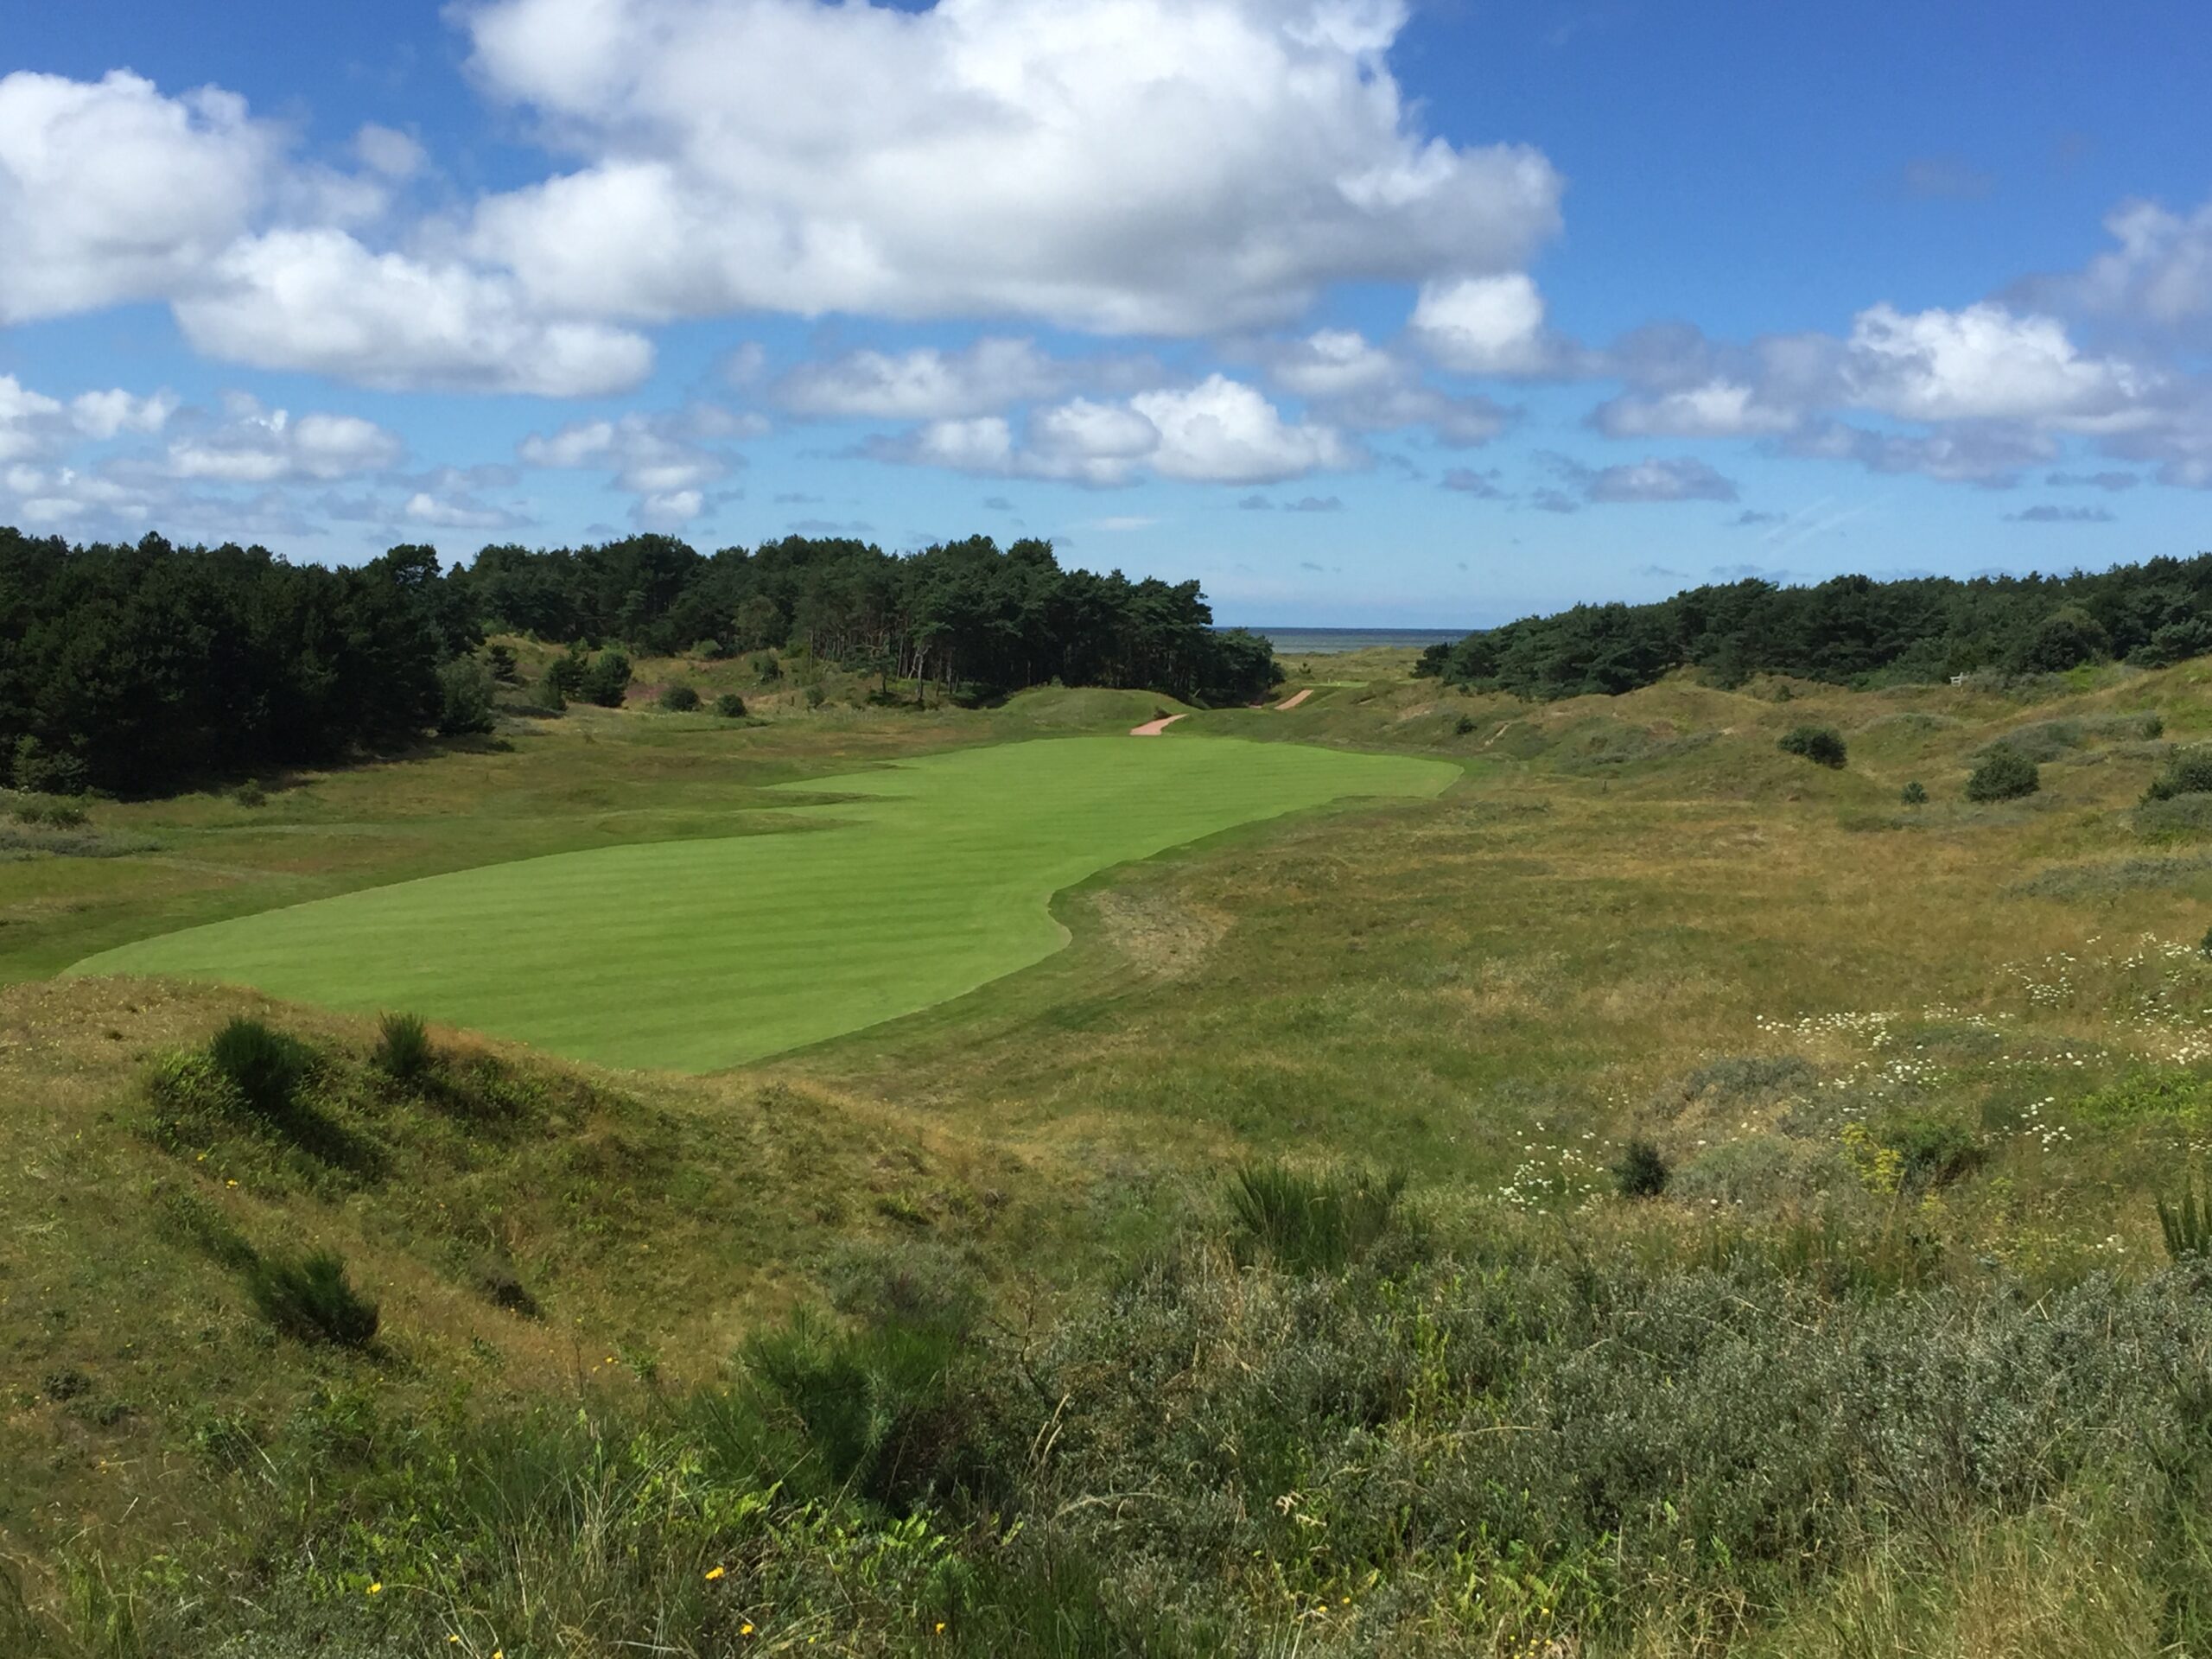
point(1850, 630)
point(961, 614)
point(142, 669)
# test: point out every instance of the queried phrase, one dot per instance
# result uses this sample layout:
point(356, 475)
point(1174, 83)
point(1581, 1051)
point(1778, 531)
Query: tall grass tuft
point(311, 1300)
point(264, 1065)
point(1642, 1172)
point(404, 1052)
point(2187, 1224)
point(1312, 1222)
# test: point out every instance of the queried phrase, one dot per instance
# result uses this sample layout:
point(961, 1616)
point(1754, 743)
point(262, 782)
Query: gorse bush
point(2005, 774)
point(679, 700)
point(264, 1064)
point(1312, 1223)
point(2189, 772)
point(1914, 794)
point(730, 706)
point(1640, 1173)
point(311, 1298)
point(404, 1052)
point(1822, 745)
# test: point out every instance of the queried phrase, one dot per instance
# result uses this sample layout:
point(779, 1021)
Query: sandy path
point(1155, 727)
point(1294, 699)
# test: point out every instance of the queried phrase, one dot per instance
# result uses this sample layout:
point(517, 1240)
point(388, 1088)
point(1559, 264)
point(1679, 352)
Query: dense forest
point(1851, 630)
point(140, 669)
point(962, 613)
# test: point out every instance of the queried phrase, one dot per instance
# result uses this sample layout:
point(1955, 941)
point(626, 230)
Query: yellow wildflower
point(747, 1631)
point(376, 1589)
point(715, 1572)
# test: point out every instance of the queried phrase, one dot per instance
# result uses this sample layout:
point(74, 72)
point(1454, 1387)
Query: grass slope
point(921, 882)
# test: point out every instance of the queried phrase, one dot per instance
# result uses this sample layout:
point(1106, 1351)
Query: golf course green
point(920, 882)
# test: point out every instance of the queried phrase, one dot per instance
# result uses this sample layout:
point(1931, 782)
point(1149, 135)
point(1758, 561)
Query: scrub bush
point(1640, 1173)
point(404, 1052)
point(679, 700)
point(1312, 1223)
point(2005, 775)
point(1914, 793)
point(2189, 772)
point(310, 1299)
point(264, 1065)
point(730, 706)
point(1822, 745)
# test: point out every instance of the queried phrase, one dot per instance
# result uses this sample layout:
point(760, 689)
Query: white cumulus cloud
point(1153, 166)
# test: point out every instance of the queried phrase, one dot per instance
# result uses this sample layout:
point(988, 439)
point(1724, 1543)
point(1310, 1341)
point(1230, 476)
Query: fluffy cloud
point(1649, 480)
point(2159, 276)
point(1352, 383)
point(661, 460)
point(1717, 409)
point(923, 385)
point(318, 300)
point(109, 191)
point(1982, 363)
point(1485, 325)
point(1220, 431)
point(261, 445)
point(33, 425)
point(1148, 166)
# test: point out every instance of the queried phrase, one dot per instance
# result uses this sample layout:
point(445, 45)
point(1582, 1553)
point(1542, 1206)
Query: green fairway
point(924, 881)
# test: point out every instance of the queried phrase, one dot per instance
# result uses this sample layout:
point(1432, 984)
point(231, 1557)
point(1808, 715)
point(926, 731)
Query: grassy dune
point(1897, 1363)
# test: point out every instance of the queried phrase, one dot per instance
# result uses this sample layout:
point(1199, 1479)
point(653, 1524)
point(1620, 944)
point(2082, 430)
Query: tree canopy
point(142, 668)
point(1850, 630)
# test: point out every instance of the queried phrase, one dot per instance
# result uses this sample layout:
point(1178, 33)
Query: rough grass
point(1912, 1113)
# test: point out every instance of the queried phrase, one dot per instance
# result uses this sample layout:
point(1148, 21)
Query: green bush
point(251, 794)
point(730, 706)
point(1312, 1223)
point(500, 660)
point(53, 813)
point(264, 1065)
point(403, 1050)
point(309, 1299)
point(2005, 774)
point(606, 681)
point(679, 700)
point(465, 692)
point(1640, 1173)
point(1464, 725)
point(41, 771)
point(816, 697)
point(766, 668)
point(2189, 772)
point(1914, 794)
point(707, 650)
point(1933, 1151)
point(1822, 745)
point(553, 690)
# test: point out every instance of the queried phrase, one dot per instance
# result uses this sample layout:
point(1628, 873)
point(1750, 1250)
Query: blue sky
point(1362, 313)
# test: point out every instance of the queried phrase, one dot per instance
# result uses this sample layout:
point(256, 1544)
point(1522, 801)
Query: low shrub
point(465, 693)
point(1640, 1173)
point(1762, 1172)
point(1312, 1223)
point(264, 1065)
point(1464, 725)
point(606, 681)
point(730, 706)
point(708, 650)
point(816, 697)
point(1914, 794)
point(311, 1298)
point(1932, 1151)
point(2005, 775)
point(52, 813)
point(404, 1052)
point(250, 795)
point(766, 668)
point(500, 660)
point(1822, 745)
point(2187, 772)
point(679, 700)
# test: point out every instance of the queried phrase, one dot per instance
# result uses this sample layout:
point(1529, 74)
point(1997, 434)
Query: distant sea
point(1319, 642)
